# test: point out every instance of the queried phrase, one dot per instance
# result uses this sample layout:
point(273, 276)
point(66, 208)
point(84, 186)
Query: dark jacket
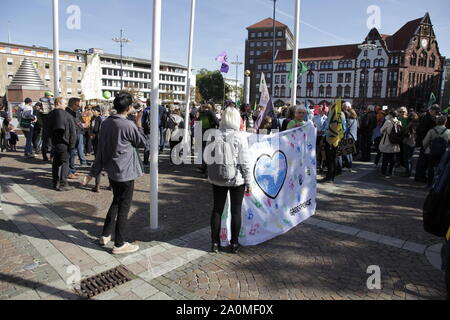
point(62, 128)
point(77, 119)
point(426, 123)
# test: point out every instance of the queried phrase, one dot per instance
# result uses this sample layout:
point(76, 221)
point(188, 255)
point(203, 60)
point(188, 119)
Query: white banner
point(284, 185)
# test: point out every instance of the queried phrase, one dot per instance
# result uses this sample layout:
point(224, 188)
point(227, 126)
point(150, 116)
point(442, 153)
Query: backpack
point(396, 134)
point(438, 146)
point(436, 209)
point(146, 124)
point(171, 123)
point(227, 169)
point(204, 118)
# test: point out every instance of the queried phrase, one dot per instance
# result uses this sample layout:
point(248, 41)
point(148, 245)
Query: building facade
point(260, 43)
point(72, 66)
point(87, 74)
point(394, 70)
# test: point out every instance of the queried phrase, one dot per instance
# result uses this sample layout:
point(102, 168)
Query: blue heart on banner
point(270, 173)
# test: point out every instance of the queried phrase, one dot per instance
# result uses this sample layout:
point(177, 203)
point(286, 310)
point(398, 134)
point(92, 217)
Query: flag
point(335, 125)
point(266, 103)
point(302, 68)
point(223, 59)
point(432, 100)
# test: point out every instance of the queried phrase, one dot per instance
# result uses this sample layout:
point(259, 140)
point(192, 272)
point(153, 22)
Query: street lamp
point(122, 42)
point(369, 47)
point(237, 64)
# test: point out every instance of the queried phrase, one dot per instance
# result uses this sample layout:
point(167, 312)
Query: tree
point(135, 92)
point(211, 85)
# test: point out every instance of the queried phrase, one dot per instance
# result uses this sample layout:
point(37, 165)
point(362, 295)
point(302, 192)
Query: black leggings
point(220, 198)
point(120, 207)
point(331, 156)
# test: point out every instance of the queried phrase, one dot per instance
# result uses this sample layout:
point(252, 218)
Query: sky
point(220, 24)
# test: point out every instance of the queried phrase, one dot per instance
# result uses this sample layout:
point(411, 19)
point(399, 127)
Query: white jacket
point(385, 145)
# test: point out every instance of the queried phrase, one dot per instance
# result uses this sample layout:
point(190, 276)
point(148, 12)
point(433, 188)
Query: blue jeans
point(29, 141)
point(147, 148)
point(80, 148)
point(408, 153)
point(350, 160)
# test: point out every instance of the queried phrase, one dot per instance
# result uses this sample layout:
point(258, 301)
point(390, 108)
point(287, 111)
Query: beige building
point(72, 67)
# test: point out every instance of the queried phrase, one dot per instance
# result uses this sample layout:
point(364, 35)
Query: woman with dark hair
point(117, 155)
point(37, 141)
point(266, 125)
point(409, 142)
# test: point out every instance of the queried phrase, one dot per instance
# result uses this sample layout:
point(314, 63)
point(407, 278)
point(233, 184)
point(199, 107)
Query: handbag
point(347, 145)
point(25, 123)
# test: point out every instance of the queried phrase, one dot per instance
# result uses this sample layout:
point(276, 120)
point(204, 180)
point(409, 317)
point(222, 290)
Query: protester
point(266, 126)
point(208, 121)
point(117, 155)
point(146, 130)
point(74, 110)
point(47, 106)
point(435, 144)
point(175, 123)
point(4, 129)
point(367, 123)
point(376, 135)
point(426, 123)
point(387, 147)
point(27, 121)
point(102, 114)
point(299, 118)
point(86, 117)
point(233, 179)
point(37, 131)
point(290, 113)
point(63, 134)
point(352, 132)
point(409, 142)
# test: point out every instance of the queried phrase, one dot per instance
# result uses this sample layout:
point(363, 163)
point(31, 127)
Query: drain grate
point(104, 281)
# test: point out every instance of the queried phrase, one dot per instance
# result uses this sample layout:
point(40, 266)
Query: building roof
point(341, 52)
point(267, 23)
point(140, 60)
point(35, 48)
point(401, 39)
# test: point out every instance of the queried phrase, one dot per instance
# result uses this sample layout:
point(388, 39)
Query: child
point(13, 139)
point(5, 135)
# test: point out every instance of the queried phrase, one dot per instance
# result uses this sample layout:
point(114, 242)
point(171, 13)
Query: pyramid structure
point(26, 83)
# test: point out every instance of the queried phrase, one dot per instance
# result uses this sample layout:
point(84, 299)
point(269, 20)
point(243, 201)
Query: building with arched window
point(395, 70)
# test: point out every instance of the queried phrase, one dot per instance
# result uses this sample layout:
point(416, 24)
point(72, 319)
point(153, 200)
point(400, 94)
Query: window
point(366, 53)
point(348, 77)
point(339, 91)
point(365, 63)
point(266, 34)
point(277, 79)
point(312, 66)
point(258, 52)
point(69, 67)
point(251, 61)
point(69, 91)
point(277, 91)
point(9, 61)
point(265, 44)
point(47, 65)
point(321, 91)
point(299, 90)
point(283, 79)
point(322, 77)
point(329, 91)
point(432, 63)
point(10, 75)
point(378, 76)
point(413, 60)
point(309, 92)
point(376, 93)
point(329, 78)
point(310, 77)
point(340, 78)
point(347, 92)
point(380, 52)
point(259, 34)
point(278, 43)
point(279, 33)
point(258, 44)
point(252, 35)
point(423, 59)
point(283, 91)
point(252, 44)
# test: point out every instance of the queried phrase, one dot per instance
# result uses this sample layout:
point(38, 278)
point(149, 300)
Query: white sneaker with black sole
point(126, 248)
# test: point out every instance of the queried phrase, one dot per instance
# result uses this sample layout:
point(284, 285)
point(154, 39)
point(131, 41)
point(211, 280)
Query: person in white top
point(26, 122)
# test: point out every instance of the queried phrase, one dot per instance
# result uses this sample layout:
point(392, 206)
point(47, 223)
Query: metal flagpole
point(188, 80)
point(56, 47)
point(237, 64)
point(154, 114)
point(273, 47)
point(295, 54)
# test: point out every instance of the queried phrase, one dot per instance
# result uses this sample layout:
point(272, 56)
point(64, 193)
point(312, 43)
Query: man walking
point(47, 107)
point(117, 155)
point(62, 132)
point(74, 110)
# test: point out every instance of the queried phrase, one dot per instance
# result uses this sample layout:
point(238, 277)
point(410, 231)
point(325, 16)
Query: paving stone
point(393, 242)
point(414, 247)
point(367, 235)
point(145, 290)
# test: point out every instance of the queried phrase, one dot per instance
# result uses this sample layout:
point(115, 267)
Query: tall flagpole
point(154, 114)
point(295, 54)
point(188, 80)
point(56, 47)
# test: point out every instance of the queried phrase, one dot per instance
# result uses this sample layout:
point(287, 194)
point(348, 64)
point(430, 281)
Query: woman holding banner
point(229, 173)
point(299, 118)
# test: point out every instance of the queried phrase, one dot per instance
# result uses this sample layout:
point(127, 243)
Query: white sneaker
point(104, 240)
point(126, 248)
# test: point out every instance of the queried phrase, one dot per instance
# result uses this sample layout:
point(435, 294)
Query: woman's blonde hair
point(231, 119)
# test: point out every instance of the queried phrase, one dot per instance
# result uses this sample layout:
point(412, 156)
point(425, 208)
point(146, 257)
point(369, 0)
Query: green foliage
point(211, 85)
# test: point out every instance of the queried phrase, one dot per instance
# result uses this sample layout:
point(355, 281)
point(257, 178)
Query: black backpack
point(436, 209)
point(438, 146)
point(396, 134)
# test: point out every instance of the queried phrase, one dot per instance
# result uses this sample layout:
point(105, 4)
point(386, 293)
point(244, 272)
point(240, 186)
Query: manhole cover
point(104, 281)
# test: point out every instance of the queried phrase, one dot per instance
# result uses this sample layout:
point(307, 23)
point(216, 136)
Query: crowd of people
point(63, 131)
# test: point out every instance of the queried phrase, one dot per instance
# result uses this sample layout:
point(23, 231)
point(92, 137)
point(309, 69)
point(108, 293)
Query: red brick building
point(399, 69)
